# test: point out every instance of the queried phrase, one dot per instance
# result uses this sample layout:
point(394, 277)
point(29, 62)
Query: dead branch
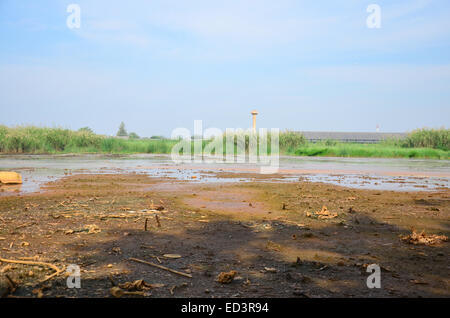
point(160, 267)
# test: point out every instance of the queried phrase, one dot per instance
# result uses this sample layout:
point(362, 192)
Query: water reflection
point(368, 173)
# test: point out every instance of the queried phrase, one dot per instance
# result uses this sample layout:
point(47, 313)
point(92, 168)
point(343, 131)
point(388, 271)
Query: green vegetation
point(290, 141)
point(367, 150)
point(422, 143)
point(428, 138)
point(419, 144)
point(57, 140)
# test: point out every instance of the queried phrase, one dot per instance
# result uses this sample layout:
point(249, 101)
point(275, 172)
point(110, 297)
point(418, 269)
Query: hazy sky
point(158, 65)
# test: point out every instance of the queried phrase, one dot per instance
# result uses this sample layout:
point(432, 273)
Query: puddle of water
point(365, 173)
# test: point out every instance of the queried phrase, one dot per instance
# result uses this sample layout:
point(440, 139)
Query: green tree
point(86, 129)
point(133, 135)
point(122, 131)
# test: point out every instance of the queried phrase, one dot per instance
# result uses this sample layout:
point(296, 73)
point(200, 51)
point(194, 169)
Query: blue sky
point(159, 65)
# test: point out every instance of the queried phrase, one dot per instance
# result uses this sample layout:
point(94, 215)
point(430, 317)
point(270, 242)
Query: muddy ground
point(259, 229)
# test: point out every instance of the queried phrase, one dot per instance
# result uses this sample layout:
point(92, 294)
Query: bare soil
point(258, 229)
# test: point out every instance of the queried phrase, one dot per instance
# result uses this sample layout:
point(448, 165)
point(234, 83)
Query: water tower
point(254, 113)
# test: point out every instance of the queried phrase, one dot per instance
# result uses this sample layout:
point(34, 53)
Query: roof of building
point(351, 136)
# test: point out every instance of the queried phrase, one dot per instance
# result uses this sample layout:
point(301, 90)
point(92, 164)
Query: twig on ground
point(160, 267)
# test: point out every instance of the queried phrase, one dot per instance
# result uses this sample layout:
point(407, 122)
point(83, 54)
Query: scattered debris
point(298, 278)
point(226, 277)
point(273, 246)
point(116, 250)
point(300, 293)
point(172, 289)
point(139, 285)
point(418, 282)
point(92, 229)
point(422, 238)
point(270, 269)
point(119, 292)
point(39, 292)
point(172, 255)
point(89, 229)
point(322, 214)
point(158, 222)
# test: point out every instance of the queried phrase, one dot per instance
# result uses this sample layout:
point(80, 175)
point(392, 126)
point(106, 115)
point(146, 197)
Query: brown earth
point(258, 229)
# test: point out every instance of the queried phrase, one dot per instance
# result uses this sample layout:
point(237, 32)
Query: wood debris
point(322, 214)
point(172, 255)
point(89, 229)
point(422, 238)
point(139, 285)
point(119, 292)
point(226, 277)
point(160, 267)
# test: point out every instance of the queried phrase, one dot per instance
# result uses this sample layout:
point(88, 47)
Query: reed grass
point(423, 143)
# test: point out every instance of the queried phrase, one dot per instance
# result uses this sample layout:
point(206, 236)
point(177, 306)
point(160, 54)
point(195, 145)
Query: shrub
point(428, 138)
point(291, 140)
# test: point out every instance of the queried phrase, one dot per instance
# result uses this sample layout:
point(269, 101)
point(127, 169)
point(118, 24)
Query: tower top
point(254, 112)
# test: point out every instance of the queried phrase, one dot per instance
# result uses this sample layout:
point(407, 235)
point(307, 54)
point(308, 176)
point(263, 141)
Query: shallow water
point(366, 173)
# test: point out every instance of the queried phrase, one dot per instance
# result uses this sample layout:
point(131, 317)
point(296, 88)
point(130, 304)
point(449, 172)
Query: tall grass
point(29, 139)
point(428, 138)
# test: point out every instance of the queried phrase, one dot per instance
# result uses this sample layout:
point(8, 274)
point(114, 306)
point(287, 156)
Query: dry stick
point(145, 227)
point(157, 220)
point(12, 284)
point(53, 275)
point(29, 263)
point(160, 267)
point(154, 256)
